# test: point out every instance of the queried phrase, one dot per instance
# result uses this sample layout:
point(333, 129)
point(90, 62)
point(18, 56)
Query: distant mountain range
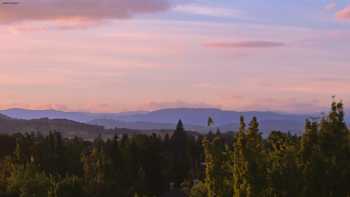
point(28, 114)
point(193, 118)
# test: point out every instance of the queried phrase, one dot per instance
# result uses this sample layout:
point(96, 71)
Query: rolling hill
point(68, 128)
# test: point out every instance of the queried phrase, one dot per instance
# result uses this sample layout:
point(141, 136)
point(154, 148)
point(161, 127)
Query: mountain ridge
point(193, 118)
point(21, 113)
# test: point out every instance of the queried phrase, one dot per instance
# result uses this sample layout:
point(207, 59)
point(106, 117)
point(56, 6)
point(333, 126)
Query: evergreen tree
point(310, 160)
point(248, 166)
point(256, 159)
point(181, 157)
point(282, 172)
point(97, 168)
point(334, 148)
point(241, 185)
point(215, 167)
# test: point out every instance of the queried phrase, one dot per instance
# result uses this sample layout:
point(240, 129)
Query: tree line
point(239, 164)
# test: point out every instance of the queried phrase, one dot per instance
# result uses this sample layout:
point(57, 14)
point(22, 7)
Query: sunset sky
point(123, 55)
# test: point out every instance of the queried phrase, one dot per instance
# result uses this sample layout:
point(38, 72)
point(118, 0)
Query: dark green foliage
point(137, 165)
point(67, 187)
point(181, 155)
point(240, 164)
point(217, 181)
point(282, 174)
point(328, 150)
point(27, 181)
point(199, 190)
point(248, 164)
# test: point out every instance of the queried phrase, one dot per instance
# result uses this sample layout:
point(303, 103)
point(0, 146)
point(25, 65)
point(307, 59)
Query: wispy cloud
point(206, 10)
point(245, 44)
point(331, 6)
point(78, 10)
point(53, 25)
point(344, 14)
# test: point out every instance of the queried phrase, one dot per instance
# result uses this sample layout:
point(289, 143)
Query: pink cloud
point(344, 14)
point(245, 44)
point(78, 10)
point(206, 10)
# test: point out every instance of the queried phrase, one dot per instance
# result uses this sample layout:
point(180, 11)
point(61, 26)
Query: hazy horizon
point(323, 110)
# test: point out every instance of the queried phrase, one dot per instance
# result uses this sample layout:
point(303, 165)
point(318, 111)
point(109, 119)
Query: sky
point(132, 55)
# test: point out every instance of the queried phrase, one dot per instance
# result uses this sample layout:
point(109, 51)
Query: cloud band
point(36, 10)
point(244, 44)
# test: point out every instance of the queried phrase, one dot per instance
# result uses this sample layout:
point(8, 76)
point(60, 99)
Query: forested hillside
point(68, 128)
point(240, 164)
